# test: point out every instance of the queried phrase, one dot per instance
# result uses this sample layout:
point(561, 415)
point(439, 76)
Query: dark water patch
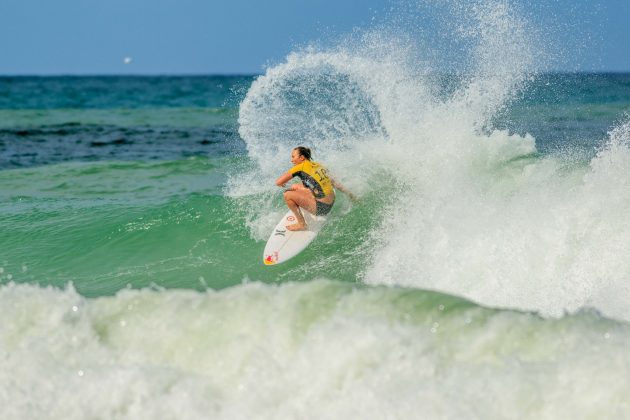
point(568, 108)
point(116, 142)
point(104, 92)
point(49, 144)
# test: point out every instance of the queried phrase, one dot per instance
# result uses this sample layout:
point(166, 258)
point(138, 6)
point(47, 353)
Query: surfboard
point(284, 244)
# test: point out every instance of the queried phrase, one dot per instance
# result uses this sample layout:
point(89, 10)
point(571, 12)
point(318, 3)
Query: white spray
point(474, 212)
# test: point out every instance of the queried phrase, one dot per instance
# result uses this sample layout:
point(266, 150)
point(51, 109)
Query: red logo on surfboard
point(271, 259)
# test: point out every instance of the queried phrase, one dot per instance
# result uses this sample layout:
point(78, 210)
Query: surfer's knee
point(289, 198)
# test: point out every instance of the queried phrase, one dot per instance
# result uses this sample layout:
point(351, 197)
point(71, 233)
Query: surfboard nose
point(290, 243)
point(269, 260)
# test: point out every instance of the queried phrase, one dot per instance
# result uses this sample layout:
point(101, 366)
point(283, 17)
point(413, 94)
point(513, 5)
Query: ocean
point(482, 274)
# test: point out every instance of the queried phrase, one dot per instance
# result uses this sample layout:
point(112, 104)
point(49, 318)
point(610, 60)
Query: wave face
point(323, 348)
point(468, 207)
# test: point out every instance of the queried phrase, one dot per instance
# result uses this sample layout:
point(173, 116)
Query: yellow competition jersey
point(314, 177)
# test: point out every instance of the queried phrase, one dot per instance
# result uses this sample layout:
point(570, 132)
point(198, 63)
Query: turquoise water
point(481, 274)
point(107, 197)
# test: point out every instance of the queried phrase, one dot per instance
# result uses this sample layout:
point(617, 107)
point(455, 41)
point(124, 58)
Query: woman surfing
point(316, 194)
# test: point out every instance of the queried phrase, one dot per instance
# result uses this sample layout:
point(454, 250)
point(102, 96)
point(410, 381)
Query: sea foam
point(320, 349)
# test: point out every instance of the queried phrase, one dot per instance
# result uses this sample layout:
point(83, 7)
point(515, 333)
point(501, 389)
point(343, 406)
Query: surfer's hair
point(304, 151)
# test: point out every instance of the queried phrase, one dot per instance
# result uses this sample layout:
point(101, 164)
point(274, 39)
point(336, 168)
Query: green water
point(110, 225)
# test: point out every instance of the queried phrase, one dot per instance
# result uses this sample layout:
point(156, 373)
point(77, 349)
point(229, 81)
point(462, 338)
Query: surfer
point(316, 194)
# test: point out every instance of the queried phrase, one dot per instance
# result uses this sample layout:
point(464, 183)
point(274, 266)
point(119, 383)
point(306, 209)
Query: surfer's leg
point(296, 200)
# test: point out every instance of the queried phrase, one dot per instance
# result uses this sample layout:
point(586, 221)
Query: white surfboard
point(284, 244)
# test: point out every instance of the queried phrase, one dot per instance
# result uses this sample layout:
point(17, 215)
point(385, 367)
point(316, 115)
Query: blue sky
point(242, 36)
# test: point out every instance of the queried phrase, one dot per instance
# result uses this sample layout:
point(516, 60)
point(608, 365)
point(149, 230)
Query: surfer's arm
point(283, 179)
point(343, 189)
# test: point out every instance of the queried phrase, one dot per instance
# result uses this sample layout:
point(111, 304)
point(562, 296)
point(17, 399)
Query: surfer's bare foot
point(297, 226)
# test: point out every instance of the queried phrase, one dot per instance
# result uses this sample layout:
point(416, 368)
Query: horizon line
point(245, 74)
